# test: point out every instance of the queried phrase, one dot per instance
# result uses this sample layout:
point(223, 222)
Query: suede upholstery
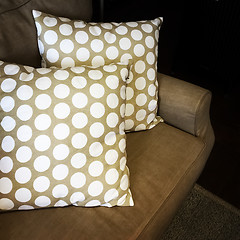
point(164, 162)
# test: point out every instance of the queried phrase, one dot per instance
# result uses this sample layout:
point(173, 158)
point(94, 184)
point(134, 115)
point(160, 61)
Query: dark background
point(199, 42)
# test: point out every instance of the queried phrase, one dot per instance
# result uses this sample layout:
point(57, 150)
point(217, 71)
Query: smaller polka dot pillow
point(62, 139)
point(66, 43)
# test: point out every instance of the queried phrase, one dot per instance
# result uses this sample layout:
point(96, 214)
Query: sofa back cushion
point(18, 40)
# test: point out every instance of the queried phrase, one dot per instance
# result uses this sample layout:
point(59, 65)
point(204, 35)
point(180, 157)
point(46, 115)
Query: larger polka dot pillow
point(62, 137)
point(66, 43)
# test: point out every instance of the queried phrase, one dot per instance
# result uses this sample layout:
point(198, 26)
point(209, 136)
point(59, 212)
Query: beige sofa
point(164, 162)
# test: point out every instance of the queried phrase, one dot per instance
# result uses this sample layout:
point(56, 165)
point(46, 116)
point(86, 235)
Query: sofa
point(164, 161)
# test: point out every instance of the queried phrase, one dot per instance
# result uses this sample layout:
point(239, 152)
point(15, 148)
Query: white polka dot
point(111, 156)
point(79, 100)
point(112, 120)
point(23, 195)
point(67, 62)
point(24, 112)
point(129, 109)
point(121, 128)
point(61, 131)
point(95, 149)
point(78, 160)
point(111, 195)
point(24, 133)
point(11, 69)
point(42, 201)
point(122, 30)
point(39, 28)
point(5, 185)
point(60, 152)
point(150, 58)
point(110, 138)
point(60, 172)
point(96, 130)
point(41, 163)
point(64, 19)
point(42, 143)
point(95, 30)
point(93, 203)
point(60, 191)
point(79, 140)
point(151, 74)
point(66, 29)
point(61, 91)
point(107, 26)
point(132, 24)
point(124, 182)
point(141, 99)
point(97, 45)
point(23, 175)
point(43, 70)
point(81, 37)
point(112, 81)
point(79, 82)
point(61, 74)
point(79, 120)
point(110, 68)
point(50, 37)
point(95, 188)
point(41, 184)
point(97, 90)
point(24, 92)
point(150, 118)
point(40, 46)
point(50, 21)
point(43, 101)
point(79, 24)
point(60, 203)
point(122, 145)
point(125, 58)
point(78, 180)
point(25, 207)
point(152, 90)
point(139, 50)
point(8, 123)
point(78, 70)
point(141, 114)
point(112, 52)
point(125, 43)
point(123, 162)
point(110, 37)
point(8, 144)
point(147, 28)
point(8, 85)
point(140, 127)
point(152, 105)
point(83, 54)
point(52, 55)
point(140, 83)
point(6, 164)
point(95, 168)
point(95, 74)
point(112, 176)
point(66, 46)
point(97, 110)
point(122, 110)
point(136, 35)
point(42, 122)
point(129, 93)
point(150, 42)
point(140, 66)
point(61, 110)
point(98, 61)
point(43, 83)
point(77, 197)
point(112, 100)
point(7, 103)
point(6, 204)
point(24, 154)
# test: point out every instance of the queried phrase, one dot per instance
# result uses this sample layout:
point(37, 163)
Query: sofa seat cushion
point(159, 159)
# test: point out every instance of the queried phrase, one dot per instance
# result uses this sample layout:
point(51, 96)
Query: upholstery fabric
point(64, 42)
point(62, 137)
point(173, 167)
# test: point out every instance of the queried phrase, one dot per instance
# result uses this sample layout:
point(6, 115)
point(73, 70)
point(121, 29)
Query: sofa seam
point(173, 190)
point(15, 8)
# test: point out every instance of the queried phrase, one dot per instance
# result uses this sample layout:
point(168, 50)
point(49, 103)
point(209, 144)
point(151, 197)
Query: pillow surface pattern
point(62, 137)
point(65, 43)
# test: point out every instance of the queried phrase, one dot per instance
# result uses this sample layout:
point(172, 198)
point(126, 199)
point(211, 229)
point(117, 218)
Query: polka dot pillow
point(62, 139)
point(65, 43)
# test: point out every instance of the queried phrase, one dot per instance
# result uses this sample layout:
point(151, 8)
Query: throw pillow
point(65, 43)
point(62, 138)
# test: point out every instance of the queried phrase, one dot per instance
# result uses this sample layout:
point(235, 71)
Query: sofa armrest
point(184, 105)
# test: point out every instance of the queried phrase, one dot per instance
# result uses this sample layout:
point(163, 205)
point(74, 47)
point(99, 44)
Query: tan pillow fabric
point(66, 43)
point(62, 137)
